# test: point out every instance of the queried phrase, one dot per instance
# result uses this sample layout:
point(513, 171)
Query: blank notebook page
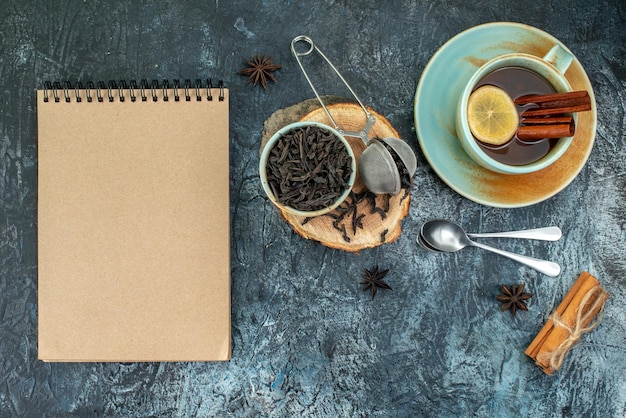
point(133, 228)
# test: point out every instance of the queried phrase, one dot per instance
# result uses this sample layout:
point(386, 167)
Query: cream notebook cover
point(133, 223)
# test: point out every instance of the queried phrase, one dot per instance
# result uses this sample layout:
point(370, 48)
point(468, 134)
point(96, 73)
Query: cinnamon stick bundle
point(572, 318)
point(547, 118)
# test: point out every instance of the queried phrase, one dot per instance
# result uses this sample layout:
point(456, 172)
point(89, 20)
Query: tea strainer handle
point(370, 119)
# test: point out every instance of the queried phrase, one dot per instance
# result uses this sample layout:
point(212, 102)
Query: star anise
point(513, 298)
point(260, 69)
point(373, 279)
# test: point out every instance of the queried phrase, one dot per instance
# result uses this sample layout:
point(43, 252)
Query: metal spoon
point(549, 233)
point(425, 245)
point(449, 237)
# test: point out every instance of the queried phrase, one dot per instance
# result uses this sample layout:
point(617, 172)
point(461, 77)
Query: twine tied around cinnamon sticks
point(571, 319)
point(575, 332)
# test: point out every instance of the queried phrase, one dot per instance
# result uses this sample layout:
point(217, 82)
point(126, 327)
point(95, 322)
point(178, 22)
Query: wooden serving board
point(364, 220)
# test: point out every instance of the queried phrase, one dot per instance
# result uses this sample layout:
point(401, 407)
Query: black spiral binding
point(113, 91)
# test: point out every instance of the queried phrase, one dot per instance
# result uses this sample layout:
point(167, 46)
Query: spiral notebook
point(133, 222)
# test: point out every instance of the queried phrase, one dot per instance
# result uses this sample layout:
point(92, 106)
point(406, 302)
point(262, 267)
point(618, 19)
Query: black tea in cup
point(518, 82)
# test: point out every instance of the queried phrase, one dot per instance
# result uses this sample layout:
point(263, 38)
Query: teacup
point(551, 68)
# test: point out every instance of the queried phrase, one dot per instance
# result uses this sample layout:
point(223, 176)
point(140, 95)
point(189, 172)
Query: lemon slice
point(492, 115)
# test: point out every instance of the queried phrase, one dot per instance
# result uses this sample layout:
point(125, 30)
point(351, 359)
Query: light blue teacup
point(552, 68)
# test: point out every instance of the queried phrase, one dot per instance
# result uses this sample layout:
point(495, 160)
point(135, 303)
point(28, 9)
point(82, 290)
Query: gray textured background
point(306, 340)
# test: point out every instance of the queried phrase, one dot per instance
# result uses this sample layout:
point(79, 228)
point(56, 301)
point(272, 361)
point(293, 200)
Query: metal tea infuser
point(377, 167)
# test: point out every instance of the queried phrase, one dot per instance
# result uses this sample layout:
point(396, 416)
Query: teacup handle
point(559, 57)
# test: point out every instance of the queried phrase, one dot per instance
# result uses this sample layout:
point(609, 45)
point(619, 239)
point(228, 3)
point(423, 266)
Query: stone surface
point(306, 340)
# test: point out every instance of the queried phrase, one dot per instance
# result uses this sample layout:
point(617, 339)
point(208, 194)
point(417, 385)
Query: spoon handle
point(546, 267)
point(550, 233)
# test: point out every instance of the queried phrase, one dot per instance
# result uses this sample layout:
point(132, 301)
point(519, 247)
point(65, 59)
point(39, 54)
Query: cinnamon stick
point(556, 103)
point(547, 129)
point(536, 345)
point(554, 111)
point(571, 98)
point(547, 121)
point(584, 283)
point(582, 303)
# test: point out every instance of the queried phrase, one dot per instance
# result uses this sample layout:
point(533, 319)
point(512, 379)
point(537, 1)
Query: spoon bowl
point(447, 236)
point(444, 235)
point(425, 245)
